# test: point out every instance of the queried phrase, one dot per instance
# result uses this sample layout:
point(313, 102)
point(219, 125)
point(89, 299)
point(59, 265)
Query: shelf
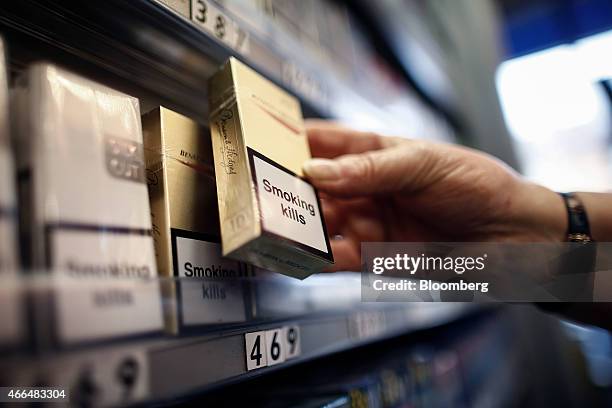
point(329, 319)
point(144, 48)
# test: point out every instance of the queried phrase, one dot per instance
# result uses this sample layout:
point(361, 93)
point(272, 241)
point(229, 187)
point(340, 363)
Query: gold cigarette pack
point(269, 215)
point(181, 180)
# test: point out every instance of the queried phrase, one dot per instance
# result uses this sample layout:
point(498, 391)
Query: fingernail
point(322, 169)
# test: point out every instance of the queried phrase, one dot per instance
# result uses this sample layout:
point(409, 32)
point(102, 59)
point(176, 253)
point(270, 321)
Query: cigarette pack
point(80, 149)
point(181, 179)
point(269, 215)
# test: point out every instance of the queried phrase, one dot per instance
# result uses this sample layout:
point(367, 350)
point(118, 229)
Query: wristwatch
point(578, 229)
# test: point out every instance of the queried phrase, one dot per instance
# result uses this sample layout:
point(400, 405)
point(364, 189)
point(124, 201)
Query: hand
point(376, 188)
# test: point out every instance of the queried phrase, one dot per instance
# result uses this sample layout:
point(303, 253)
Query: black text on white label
point(289, 205)
point(256, 356)
point(271, 347)
point(217, 295)
point(214, 21)
point(275, 346)
point(292, 339)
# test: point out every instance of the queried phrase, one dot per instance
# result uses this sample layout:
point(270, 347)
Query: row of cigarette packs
point(110, 202)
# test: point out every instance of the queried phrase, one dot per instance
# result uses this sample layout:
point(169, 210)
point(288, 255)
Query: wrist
point(542, 213)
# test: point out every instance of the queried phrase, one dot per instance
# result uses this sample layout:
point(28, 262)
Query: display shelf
point(148, 49)
point(405, 30)
point(331, 318)
point(424, 368)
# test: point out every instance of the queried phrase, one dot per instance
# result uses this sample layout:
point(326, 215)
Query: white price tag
point(210, 17)
point(368, 324)
point(276, 346)
point(271, 347)
point(255, 348)
point(293, 346)
point(200, 13)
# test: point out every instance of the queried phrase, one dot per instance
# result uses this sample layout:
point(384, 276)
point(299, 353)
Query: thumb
point(399, 168)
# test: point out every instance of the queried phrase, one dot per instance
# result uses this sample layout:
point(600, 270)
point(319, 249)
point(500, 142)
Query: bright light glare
point(549, 93)
point(559, 116)
point(595, 52)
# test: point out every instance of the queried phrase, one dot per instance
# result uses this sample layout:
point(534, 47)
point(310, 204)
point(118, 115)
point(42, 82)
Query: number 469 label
point(267, 348)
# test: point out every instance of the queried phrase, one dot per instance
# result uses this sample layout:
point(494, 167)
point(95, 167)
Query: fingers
point(406, 167)
point(333, 216)
point(347, 255)
point(365, 228)
point(349, 223)
point(330, 140)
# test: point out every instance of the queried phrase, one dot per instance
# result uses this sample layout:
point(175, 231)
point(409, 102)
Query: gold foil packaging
point(180, 174)
point(269, 215)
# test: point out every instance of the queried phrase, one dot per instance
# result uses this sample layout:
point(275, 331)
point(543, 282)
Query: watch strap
point(578, 229)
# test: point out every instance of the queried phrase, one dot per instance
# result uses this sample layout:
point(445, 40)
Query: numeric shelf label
point(291, 334)
point(367, 324)
point(271, 347)
point(256, 356)
point(275, 346)
point(209, 16)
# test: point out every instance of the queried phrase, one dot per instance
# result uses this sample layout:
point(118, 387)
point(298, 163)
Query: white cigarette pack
point(80, 143)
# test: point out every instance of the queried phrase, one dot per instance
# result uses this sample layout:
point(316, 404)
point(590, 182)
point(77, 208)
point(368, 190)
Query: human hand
point(376, 188)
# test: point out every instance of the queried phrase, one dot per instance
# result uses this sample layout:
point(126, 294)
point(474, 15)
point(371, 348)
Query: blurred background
point(529, 81)
point(544, 64)
point(555, 90)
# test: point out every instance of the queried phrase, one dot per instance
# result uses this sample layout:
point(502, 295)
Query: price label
point(271, 347)
point(292, 339)
point(209, 17)
point(367, 324)
point(276, 346)
point(256, 350)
